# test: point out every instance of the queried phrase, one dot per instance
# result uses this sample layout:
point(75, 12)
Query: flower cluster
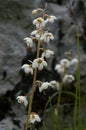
point(40, 35)
point(66, 64)
point(45, 85)
point(62, 68)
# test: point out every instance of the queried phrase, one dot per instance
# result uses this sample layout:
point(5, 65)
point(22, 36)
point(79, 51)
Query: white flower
point(47, 37)
point(28, 41)
point(35, 11)
point(37, 34)
point(60, 69)
point(68, 79)
point(39, 22)
point(34, 118)
point(54, 85)
point(22, 99)
point(44, 86)
point(65, 63)
point(39, 63)
point(74, 63)
point(27, 69)
point(47, 54)
point(50, 19)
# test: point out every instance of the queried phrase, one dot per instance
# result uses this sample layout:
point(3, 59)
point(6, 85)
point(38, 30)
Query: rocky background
point(16, 24)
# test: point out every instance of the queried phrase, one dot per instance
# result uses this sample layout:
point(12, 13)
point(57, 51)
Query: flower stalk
point(33, 88)
point(77, 99)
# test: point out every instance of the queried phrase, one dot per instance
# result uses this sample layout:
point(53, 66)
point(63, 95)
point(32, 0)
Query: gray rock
point(15, 24)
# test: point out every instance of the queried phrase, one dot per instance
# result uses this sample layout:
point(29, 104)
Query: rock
point(12, 51)
point(59, 2)
point(15, 25)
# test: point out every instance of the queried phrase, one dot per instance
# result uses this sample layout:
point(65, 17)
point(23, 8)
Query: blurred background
point(15, 24)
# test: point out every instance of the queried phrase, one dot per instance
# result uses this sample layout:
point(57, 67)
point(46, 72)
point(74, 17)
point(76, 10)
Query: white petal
point(40, 67)
point(59, 69)
point(25, 103)
point(68, 79)
point(25, 65)
point(31, 71)
point(40, 89)
point(34, 32)
point(34, 118)
point(55, 85)
point(28, 41)
point(45, 63)
point(34, 11)
point(27, 70)
point(47, 39)
point(74, 63)
point(37, 118)
point(38, 25)
point(35, 64)
point(22, 99)
point(52, 37)
point(34, 21)
point(65, 63)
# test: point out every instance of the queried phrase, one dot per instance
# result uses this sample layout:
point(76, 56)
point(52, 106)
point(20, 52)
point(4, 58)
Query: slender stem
point(78, 73)
point(75, 111)
point(77, 99)
point(58, 103)
point(78, 76)
point(33, 88)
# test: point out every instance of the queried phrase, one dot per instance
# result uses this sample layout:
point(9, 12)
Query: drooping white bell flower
point(74, 63)
point(35, 11)
point(47, 54)
point(50, 19)
point(65, 63)
point(54, 85)
point(47, 37)
point(27, 69)
point(39, 22)
point(29, 42)
point(44, 86)
point(23, 100)
point(60, 69)
point(37, 34)
point(68, 79)
point(39, 63)
point(34, 118)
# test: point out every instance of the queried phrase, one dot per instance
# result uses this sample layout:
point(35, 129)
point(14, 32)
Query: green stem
point(78, 73)
point(77, 100)
point(75, 111)
point(78, 76)
point(58, 103)
point(55, 94)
